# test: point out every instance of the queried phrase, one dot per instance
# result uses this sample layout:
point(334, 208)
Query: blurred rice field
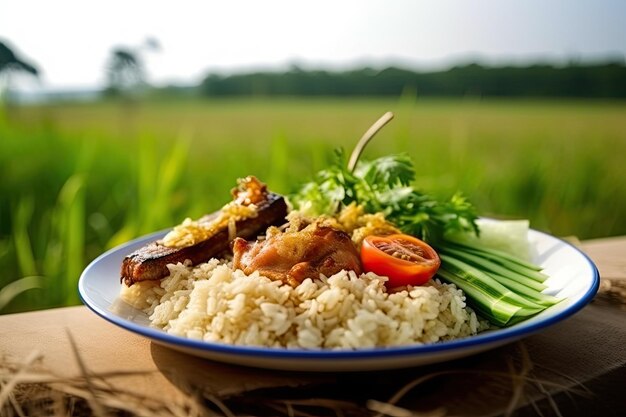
point(77, 179)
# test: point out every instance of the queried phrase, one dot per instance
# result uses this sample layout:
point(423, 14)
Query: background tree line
point(126, 78)
point(605, 80)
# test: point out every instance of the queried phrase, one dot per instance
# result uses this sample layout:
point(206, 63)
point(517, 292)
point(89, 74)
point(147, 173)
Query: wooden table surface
point(574, 366)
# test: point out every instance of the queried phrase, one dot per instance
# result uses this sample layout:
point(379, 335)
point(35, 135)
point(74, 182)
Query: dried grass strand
point(575, 381)
point(518, 380)
point(12, 382)
point(16, 406)
point(395, 411)
point(322, 402)
point(132, 404)
point(47, 378)
point(291, 411)
point(76, 389)
point(534, 405)
point(337, 406)
point(550, 399)
point(91, 398)
point(219, 404)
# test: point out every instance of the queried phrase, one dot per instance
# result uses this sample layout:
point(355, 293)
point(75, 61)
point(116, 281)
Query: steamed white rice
point(212, 302)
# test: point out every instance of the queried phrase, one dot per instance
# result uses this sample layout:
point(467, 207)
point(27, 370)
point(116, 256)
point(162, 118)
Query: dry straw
point(26, 390)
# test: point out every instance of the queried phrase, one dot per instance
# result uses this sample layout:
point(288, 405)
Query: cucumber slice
point(510, 236)
point(530, 278)
point(488, 304)
point(496, 255)
point(482, 280)
point(503, 291)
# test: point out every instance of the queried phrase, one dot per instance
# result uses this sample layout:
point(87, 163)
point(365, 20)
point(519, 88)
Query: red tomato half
point(405, 259)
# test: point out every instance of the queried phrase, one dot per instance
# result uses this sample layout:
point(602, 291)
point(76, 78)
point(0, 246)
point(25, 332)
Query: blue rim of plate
point(499, 335)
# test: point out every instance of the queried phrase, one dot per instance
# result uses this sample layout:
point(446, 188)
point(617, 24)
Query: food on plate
point(293, 256)
point(358, 257)
point(404, 259)
point(216, 303)
point(499, 283)
point(252, 210)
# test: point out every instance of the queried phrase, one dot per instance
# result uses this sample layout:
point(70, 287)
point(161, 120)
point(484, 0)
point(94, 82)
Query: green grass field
point(80, 178)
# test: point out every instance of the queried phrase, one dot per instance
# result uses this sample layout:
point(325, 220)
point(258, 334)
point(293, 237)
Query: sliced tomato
point(405, 259)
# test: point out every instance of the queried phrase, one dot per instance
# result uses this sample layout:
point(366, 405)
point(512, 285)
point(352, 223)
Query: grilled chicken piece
point(294, 256)
point(150, 262)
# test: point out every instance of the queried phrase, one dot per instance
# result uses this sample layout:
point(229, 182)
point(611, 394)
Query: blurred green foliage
point(607, 80)
point(9, 61)
point(78, 179)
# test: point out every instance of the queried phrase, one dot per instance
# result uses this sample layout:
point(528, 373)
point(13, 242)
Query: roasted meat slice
point(209, 236)
point(294, 256)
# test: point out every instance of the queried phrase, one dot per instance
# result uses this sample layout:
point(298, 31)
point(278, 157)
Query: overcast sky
point(70, 40)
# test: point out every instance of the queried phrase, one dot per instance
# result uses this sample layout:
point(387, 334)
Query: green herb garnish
point(385, 185)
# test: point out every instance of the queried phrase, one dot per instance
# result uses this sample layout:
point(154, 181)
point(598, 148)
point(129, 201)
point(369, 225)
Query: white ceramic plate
point(572, 275)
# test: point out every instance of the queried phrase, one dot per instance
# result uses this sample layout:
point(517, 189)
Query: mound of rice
point(212, 302)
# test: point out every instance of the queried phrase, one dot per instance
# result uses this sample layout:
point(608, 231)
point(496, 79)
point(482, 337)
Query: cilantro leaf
point(387, 171)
